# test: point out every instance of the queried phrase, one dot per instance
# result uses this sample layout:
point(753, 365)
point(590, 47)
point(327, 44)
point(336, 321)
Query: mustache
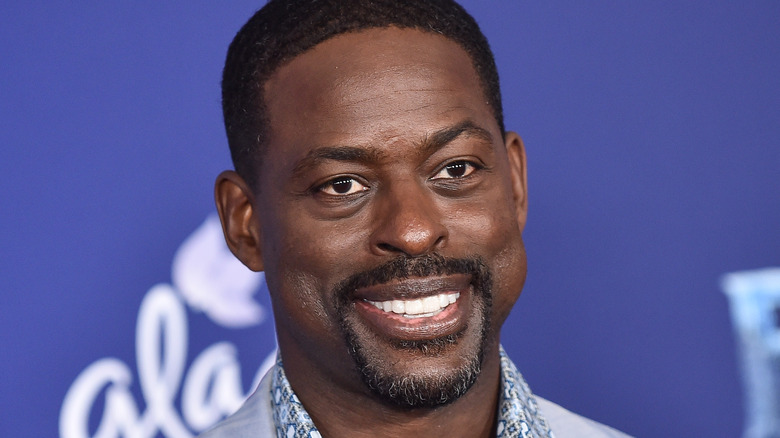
point(404, 267)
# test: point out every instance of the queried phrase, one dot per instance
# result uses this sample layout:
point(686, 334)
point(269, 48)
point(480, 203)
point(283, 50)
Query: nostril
point(411, 247)
point(387, 247)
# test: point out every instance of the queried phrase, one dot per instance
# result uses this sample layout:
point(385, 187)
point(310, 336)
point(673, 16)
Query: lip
point(411, 288)
point(393, 326)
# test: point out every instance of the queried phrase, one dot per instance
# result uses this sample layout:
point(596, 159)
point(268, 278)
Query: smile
point(418, 308)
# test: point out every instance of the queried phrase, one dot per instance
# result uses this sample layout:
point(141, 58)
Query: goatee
point(419, 391)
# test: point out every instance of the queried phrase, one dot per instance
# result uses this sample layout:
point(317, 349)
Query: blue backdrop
point(652, 137)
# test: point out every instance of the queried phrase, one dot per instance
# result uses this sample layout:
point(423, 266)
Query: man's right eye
point(342, 186)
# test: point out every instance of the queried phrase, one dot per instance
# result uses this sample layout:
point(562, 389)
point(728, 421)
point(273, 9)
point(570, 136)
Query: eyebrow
point(336, 153)
point(430, 144)
point(443, 137)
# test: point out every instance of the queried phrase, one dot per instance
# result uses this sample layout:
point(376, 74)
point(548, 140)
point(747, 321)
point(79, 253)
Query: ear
point(517, 169)
point(240, 222)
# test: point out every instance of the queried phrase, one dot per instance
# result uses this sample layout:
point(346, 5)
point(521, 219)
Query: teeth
point(414, 307)
point(430, 304)
point(417, 308)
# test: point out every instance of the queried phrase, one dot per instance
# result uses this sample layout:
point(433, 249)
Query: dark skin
point(381, 145)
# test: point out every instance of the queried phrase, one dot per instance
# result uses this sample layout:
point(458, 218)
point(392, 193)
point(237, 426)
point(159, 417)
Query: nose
point(407, 221)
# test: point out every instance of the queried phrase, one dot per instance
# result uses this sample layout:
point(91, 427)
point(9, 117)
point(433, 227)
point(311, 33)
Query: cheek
point(295, 292)
point(485, 225)
point(305, 259)
point(300, 283)
point(329, 250)
point(495, 235)
point(509, 273)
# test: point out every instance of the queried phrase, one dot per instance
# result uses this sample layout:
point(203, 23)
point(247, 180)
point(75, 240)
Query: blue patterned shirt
point(518, 413)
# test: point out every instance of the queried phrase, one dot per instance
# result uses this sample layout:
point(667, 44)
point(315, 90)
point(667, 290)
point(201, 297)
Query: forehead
point(372, 86)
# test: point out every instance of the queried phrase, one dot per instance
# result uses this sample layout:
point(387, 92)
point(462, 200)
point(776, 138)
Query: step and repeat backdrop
point(654, 169)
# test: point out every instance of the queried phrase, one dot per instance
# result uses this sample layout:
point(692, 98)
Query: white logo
point(209, 279)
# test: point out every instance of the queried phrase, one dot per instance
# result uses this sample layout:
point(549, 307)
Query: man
point(376, 187)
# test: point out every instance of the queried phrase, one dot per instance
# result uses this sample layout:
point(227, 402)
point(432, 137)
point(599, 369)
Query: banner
point(205, 278)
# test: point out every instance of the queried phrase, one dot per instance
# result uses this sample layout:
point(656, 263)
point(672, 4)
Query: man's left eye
point(456, 169)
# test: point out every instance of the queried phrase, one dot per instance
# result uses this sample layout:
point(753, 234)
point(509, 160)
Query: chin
point(418, 358)
point(420, 374)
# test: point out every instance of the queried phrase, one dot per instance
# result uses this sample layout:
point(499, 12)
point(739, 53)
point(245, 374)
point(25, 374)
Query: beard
point(428, 389)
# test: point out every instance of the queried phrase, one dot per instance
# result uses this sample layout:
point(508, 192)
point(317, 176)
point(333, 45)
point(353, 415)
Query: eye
point(342, 186)
point(456, 169)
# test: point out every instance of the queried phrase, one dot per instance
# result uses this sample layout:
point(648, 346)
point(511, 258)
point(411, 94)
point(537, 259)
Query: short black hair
point(284, 29)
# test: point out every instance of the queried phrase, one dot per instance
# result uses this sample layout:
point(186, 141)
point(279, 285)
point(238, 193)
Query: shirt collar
point(518, 413)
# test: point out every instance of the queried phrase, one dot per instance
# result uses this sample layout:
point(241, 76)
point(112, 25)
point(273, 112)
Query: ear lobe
point(240, 224)
point(518, 171)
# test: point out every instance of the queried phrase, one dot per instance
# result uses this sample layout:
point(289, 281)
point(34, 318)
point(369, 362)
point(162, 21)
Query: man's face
point(387, 202)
